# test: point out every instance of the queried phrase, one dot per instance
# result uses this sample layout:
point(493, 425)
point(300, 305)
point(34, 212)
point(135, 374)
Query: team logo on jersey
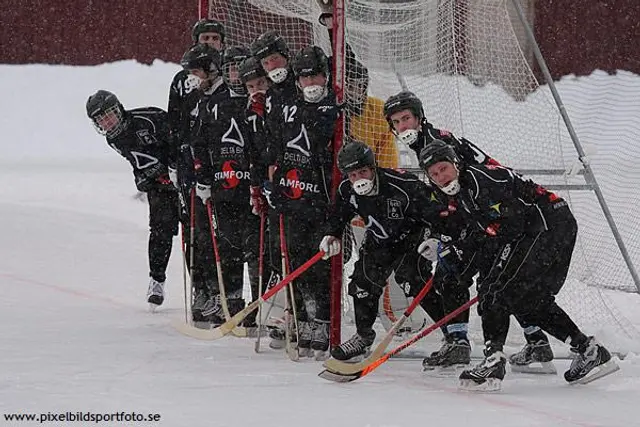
point(233, 134)
point(293, 187)
point(495, 207)
point(376, 228)
point(301, 142)
point(394, 209)
point(504, 255)
point(143, 161)
point(145, 137)
point(230, 175)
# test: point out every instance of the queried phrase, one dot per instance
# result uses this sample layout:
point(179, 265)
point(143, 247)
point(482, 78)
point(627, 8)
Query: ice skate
point(593, 361)
point(320, 340)
point(212, 312)
point(487, 375)
point(355, 349)
point(536, 357)
point(455, 354)
point(155, 294)
point(200, 298)
point(277, 337)
point(305, 335)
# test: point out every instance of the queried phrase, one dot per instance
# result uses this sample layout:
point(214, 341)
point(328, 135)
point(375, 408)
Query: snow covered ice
point(76, 334)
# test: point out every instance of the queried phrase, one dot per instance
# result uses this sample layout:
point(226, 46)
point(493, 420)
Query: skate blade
point(305, 352)
point(252, 332)
point(488, 386)
point(321, 355)
point(540, 368)
point(205, 325)
point(277, 344)
point(598, 372)
point(353, 360)
point(445, 371)
point(153, 307)
point(292, 352)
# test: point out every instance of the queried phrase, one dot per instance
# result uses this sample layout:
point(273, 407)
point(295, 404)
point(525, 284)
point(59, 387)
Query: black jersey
point(221, 146)
point(257, 141)
point(465, 150)
point(300, 147)
point(183, 99)
point(400, 207)
point(146, 144)
point(501, 204)
point(280, 93)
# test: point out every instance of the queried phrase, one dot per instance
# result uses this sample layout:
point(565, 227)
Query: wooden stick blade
point(338, 377)
point(198, 333)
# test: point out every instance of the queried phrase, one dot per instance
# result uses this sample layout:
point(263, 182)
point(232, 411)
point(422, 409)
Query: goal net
point(470, 64)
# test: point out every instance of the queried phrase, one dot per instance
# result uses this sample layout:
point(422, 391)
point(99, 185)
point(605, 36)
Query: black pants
point(303, 234)
point(452, 280)
point(523, 278)
point(237, 233)
point(375, 265)
point(203, 267)
point(164, 217)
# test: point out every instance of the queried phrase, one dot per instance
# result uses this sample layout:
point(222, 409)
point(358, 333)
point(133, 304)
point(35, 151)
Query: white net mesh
point(469, 63)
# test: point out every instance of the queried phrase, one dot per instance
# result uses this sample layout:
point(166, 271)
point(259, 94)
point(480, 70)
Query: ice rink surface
point(76, 335)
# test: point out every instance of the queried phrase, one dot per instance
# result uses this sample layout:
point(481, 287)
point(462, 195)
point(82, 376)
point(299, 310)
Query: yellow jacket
point(372, 128)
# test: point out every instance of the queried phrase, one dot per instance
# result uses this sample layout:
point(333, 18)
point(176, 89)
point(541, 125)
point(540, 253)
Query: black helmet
point(355, 155)
point(207, 26)
point(250, 69)
point(268, 43)
point(437, 151)
point(202, 56)
point(404, 100)
point(310, 61)
point(233, 56)
point(102, 104)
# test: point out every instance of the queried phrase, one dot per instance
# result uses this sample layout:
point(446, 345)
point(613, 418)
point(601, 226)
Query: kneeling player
point(526, 236)
point(405, 114)
point(396, 209)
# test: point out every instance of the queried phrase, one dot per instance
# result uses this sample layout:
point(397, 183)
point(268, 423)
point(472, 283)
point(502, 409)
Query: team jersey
point(146, 145)
point(466, 151)
point(501, 204)
point(400, 207)
point(221, 146)
point(300, 146)
point(255, 118)
point(183, 99)
point(371, 128)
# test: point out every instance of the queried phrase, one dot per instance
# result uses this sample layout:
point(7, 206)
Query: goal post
point(338, 74)
point(470, 62)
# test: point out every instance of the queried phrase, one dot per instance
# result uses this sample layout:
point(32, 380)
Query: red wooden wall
point(95, 31)
point(576, 36)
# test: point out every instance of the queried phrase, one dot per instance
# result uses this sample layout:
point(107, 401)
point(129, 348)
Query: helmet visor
point(109, 122)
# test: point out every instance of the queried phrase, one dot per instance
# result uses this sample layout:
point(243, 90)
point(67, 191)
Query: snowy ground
point(76, 335)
